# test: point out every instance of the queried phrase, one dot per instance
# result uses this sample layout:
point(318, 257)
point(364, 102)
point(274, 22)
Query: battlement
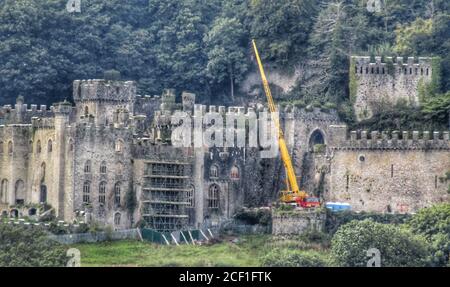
point(104, 90)
point(22, 113)
point(396, 140)
point(364, 65)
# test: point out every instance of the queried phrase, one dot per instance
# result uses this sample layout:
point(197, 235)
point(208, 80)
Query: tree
point(329, 50)
point(282, 28)
point(434, 224)
point(226, 50)
point(399, 248)
point(29, 247)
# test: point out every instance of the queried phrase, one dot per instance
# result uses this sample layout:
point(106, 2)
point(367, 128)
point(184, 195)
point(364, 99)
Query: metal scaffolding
point(165, 195)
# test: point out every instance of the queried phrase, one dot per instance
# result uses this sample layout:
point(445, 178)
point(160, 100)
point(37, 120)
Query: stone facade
point(110, 159)
point(298, 222)
point(387, 82)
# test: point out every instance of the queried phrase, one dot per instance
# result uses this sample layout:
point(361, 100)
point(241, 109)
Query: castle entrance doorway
point(43, 194)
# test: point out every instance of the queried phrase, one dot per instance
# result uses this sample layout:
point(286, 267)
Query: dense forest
point(204, 45)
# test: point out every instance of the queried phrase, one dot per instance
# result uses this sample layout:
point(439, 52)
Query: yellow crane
point(292, 192)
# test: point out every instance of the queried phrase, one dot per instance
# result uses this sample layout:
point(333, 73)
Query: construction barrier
point(178, 237)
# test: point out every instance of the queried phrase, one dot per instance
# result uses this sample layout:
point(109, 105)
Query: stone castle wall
point(390, 171)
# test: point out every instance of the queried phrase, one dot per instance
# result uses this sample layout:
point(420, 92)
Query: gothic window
point(31, 146)
point(356, 69)
point(213, 196)
point(428, 72)
point(117, 218)
point(119, 168)
point(214, 171)
point(87, 167)
point(119, 146)
point(234, 174)
point(86, 111)
point(10, 147)
point(1, 147)
point(190, 196)
point(38, 146)
point(43, 167)
point(50, 146)
point(102, 193)
point(117, 193)
point(367, 70)
point(87, 192)
point(103, 168)
point(19, 192)
point(4, 191)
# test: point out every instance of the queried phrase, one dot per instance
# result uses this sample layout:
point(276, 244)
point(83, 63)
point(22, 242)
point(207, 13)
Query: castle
point(378, 82)
point(110, 159)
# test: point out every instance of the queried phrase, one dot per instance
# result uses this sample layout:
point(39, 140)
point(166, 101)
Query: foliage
point(397, 247)
point(294, 258)
point(254, 216)
point(131, 201)
point(29, 247)
point(432, 115)
point(434, 224)
point(337, 219)
point(226, 53)
point(410, 37)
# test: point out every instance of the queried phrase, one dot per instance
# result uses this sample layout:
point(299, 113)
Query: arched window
point(43, 167)
point(214, 171)
point(19, 192)
point(119, 168)
point(117, 218)
point(31, 146)
point(103, 168)
point(213, 196)
point(87, 167)
point(190, 196)
point(1, 147)
point(10, 147)
point(119, 146)
point(87, 192)
point(102, 193)
point(50, 146)
point(234, 174)
point(38, 146)
point(4, 192)
point(86, 111)
point(117, 193)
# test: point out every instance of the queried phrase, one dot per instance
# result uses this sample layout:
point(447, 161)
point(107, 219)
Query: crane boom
point(285, 157)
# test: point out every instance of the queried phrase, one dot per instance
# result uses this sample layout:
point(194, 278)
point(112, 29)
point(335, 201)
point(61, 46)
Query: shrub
point(294, 258)
point(398, 247)
point(29, 247)
point(254, 216)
